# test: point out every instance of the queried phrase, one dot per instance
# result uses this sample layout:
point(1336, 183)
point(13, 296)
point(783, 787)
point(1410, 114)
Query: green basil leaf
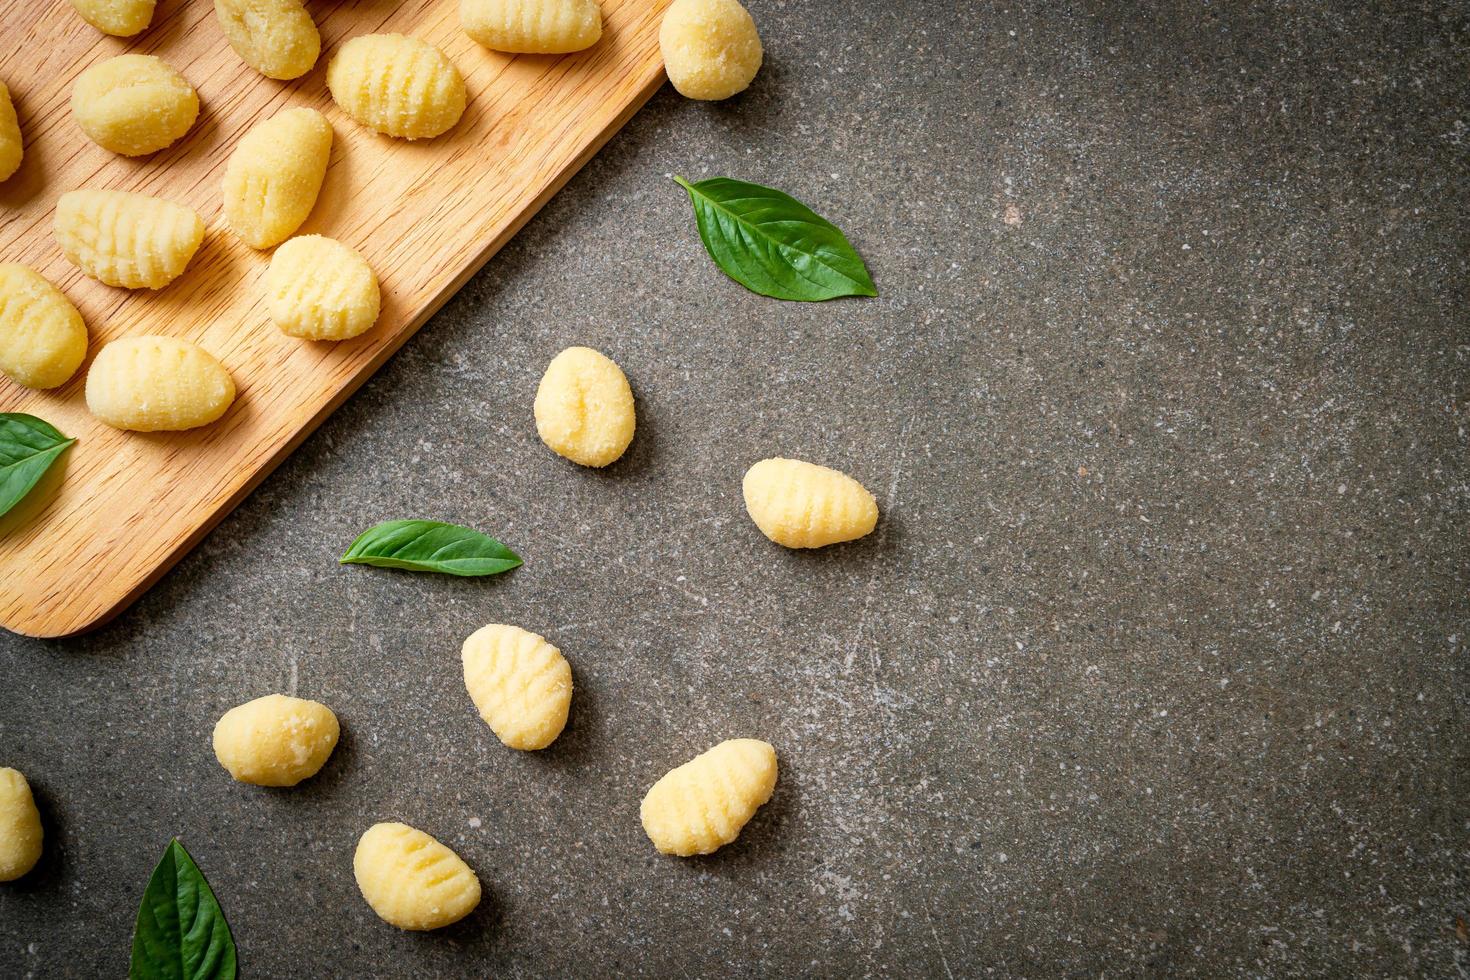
point(181, 932)
point(774, 245)
point(28, 447)
point(431, 546)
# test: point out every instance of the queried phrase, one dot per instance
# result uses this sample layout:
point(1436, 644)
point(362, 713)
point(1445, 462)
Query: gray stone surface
point(1156, 663)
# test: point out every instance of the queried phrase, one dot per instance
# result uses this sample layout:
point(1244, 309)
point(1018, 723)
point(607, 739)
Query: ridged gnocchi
point(277, 38)
point(532, 26)
point(520, 683)
point(584, 407)
point(703, 804)
point(20, 826)
point(42, 336)
point(711, 48)
point(411, 880)
point(319, 289)
point(120, 18)
point(12, 148)
point(133, 104)
point(274, 175)
point(803, 505)
point(126, 239)
point(397, 85)
point(157, 384)
point(275, 740)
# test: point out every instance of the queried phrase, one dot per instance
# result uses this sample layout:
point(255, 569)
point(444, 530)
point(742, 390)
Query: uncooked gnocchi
point(319, 289)
point(703, 804)
point(120, 18)
point(133, 104)
point(42, 336)
point(711, 48)
point(157, 384)
point(520, 683)
point(532, 26)
point(803, 505)
point(275, 740)
point(411, 880)
point(277, 38)
point(126, 239)
point(274, 175)
point(584, 407)
point(11, 146)
point(20, 826)
point(397, 85)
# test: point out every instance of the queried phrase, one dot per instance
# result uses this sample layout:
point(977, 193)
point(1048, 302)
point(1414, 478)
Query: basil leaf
point(773, 244)
point(181, 932)
point(431, 546)
point(28, 447)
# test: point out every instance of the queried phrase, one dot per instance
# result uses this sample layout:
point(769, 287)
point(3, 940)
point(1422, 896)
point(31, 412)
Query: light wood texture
point(426, 215)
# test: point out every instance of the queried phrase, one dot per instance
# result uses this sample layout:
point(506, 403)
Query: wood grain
point(426, 216)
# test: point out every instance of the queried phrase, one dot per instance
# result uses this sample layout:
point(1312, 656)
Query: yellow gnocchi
point(584, 407)
point(411, 880)
point(319, 289)
point(157, 384)
point(274, 175)
point(532, 26)
point(711, 48)
point(20, 826)
point(277, 38)
point(120, 18)
point(42, 336)
point(397, 85)
point(133, 104)
point(702, 805)
point(126, 239)
point(520, 683)
point(275, 740)
point(11, 146)
point(803, 505)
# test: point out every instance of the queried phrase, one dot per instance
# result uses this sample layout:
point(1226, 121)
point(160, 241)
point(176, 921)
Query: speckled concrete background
point(1156, 664)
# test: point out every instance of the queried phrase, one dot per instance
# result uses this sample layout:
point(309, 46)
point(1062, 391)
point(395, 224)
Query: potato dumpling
point(126, 239)
point(397, 85)
point(42, 336)
point(157, 384)
point(277, 38)
point(133, 104)
point(120, 18)
point(11, 146)
point(803, 505)
point(274, 175)
point(711, 49)
point(584, 407)
point(275, 740)
point(703, 804)
point(532, 26)
point(20, 826)
point(411, 880)
point(520, 683)
point(319, 289)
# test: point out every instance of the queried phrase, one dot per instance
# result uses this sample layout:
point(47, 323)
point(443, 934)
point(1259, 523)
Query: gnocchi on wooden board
point(319, 289)
point(120, 18)
point(274, 175)
point(157, 384)
point(398, 85)
point(12, 148)
point(277, 38)
point(532, 26)
point(133, 104)
point(42, 337)
point(126, 239)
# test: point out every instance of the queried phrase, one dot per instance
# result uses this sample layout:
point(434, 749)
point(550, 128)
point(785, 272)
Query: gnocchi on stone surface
point(703, 804)
point(277, 38)
point(532, 26)
point(126, 239)
point(319, 289)
point(42, 337)
point(157, 384)
point(275, 740)
point(411, 880)
point(398, 85)
point(12, 148)
point(584, 407)
point(521, 684)
point(120, 18)
point(711, 48)
point(133, 104)
point(275, 174)
point(20, 826)
point(803, 505)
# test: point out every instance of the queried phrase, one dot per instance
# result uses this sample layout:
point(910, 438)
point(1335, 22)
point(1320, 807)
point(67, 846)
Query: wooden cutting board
point(104, 526)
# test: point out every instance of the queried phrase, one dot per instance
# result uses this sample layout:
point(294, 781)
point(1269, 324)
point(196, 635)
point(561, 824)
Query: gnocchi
point(11, 146)
point(126, 239)
point(42, 336)
point(133, 104)
point(803, 505)
point(702, 805)
point(397, 85)
point(157, 384)
point(120, 18)
point(520, 683)
point(20, 826)
point(275, 740)
point(711, 48)
point(584, 407)
point(274, 175)
point(411, 880)
point(532, 26)
point(319, 289)
point(277, 38)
